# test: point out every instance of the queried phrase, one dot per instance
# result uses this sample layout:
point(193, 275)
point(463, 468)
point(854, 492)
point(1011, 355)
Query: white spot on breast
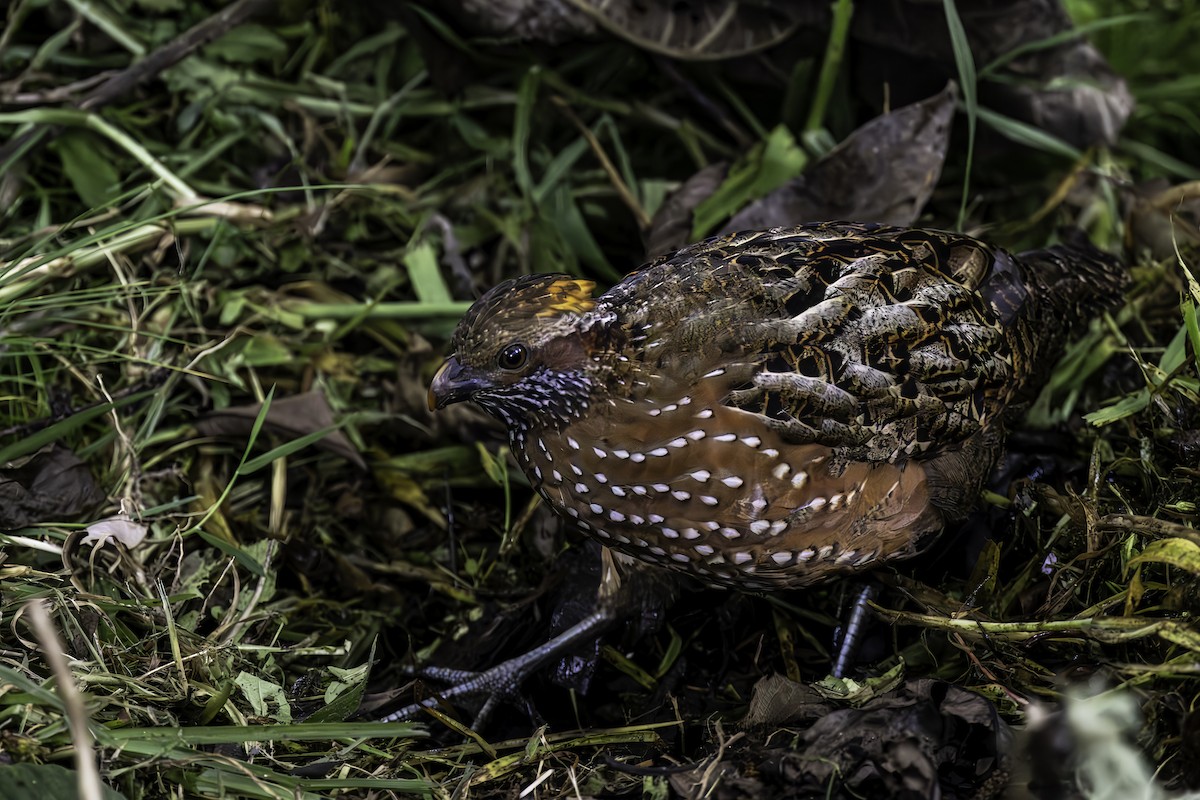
point(805, 555)
point(581, 488)
point(701, 475)
point(681, 495)
point(816, 504)
point(680, 442)
point(640, 491)
point(622, 538)
point(704, 549)
point(599, 453)
point(596, 508)
point(683, 401)
point(621, 453)
point(537, 472)
point(778, 527)
point(576, 470)
point(636, 520)
point(710, 525)
point(715, 373)
point(835, 501)
point(741, 557)
point(661, 487)
point(825, 552)
point(751, 441)
point(656, 518)
point(658, 551)
point(618, 491)
point(759, 503)
point(670, 407)
point(770, 452)
point(799, 479)
point(705, 414)
point(601, 477)
point(781, 558)
point(726, 437)
point(658, 452)
point(708, 500)
point(731, 533)
point(847, 557)
point(616, 516)
point(654, 412)
point(760, 526)
point(573, 444)
point(670, 533)
point(781, 471)
point(691, 533)
point(732, 481)
point(637, 458)
point(574, 512)
point(542, 445)
point(680, 557)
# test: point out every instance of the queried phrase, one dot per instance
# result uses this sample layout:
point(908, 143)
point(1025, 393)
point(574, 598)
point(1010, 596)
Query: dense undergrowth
point(224, 287)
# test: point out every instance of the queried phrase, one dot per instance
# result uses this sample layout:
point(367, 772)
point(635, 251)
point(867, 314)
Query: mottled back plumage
point(766, 409)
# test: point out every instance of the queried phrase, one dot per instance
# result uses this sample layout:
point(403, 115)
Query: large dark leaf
point(883, 172)
point(51, 484)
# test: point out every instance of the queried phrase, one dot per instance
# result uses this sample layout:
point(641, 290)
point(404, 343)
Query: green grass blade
point(965, 63)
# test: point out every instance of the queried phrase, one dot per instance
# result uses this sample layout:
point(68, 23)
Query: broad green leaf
point(267, 699)
point(426, 275)
point(45, 782)
point(248, 43)
point(1127, 406)
point(87, 167)
point(527, 94)
point(1177, 552)
point(768, 165)
point(344, 695)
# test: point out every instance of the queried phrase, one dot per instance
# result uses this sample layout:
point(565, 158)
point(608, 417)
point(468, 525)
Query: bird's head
point(520, 352)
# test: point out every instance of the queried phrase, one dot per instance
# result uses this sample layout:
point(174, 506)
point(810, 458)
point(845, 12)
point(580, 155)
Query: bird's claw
point(503, 681)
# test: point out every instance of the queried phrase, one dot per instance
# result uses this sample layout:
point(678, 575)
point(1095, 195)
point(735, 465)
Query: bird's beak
point(453, 383)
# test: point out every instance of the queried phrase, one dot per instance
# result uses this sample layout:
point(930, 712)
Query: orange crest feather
point(568, 296)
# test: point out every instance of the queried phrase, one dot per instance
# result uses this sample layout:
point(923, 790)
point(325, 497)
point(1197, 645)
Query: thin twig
point(162, 58)
point(53, 650)
point(623, 190)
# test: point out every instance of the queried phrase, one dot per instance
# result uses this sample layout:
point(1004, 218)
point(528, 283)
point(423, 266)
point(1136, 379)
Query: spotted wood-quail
point(768, 409)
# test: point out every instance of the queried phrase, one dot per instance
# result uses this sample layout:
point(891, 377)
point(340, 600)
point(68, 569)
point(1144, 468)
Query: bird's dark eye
point(513, 356)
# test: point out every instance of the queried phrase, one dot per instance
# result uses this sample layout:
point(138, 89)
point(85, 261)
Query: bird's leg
point(503, 681)
point(639, 596)
point(848, 635)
